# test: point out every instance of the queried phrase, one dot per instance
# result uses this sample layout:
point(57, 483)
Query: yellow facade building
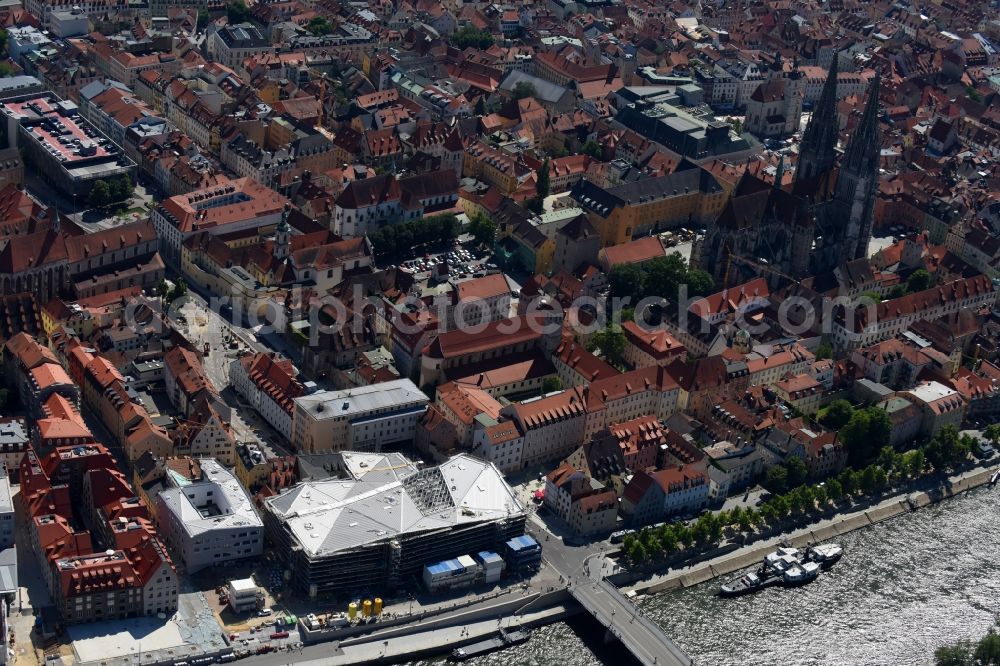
point(689, 197)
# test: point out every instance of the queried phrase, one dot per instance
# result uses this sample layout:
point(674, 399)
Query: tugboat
point(743, 585)
point(825, 554)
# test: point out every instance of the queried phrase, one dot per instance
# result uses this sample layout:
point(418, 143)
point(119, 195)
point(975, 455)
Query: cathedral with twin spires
point(822, 220)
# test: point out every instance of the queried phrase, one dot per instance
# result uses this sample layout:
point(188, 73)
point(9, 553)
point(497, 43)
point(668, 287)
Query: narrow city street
point(223, 342)
point(32, 593)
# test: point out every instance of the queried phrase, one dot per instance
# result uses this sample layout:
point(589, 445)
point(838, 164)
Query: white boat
point(781, 560)
point(800, 574)
point(995, 478)
point(791, 566)
point(825, 554)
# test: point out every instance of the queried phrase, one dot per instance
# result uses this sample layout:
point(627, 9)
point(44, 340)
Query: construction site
point(372, 529)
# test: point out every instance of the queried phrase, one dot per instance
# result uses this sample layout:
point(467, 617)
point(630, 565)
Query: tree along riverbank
point(687, 568)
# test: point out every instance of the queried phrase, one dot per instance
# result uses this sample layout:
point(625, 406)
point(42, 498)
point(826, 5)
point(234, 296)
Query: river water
point(902, 588)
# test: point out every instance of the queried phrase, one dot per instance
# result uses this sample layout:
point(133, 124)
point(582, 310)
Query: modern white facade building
point(70, 23)
point(209, 522)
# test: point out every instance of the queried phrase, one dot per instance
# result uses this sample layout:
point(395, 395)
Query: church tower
point(817, 153)
point(282, 236)
point(794, 91)
point(857, 180)
point(627, 66)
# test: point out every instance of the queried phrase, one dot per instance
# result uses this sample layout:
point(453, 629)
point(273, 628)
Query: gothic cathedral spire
point(857, 180)
point(817, 153)
point(864, 146)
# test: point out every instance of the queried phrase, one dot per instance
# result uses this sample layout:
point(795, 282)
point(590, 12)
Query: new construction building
point(376, 529)
point(211, 522)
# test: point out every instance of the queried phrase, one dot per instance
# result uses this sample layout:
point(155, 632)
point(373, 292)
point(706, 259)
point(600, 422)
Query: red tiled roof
point(485, 287)
point(509, 370)
point(48, 375)
point(377, 98)
point(276, 377)
point(573, 70)
point(103, 371)
point(23, 253)
point(190, 215)
point(369, 192)
point(731, 299)
point(638, 433)
point(57, 538)
point(186, 369)
point(653, 378)
point(635, 251)
point(497, 334)
point(924, 300)
point(555, 407)
point(658, 343)
point(467, 402)
point(78, 248)
point(583, 362)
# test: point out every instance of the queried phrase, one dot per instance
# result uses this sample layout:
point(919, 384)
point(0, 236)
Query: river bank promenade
point(419, 641)
point(824, 529)
point(441, 634)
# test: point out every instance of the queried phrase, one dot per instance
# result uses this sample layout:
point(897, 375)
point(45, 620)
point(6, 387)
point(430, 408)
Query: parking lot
point(459, 262)
point(883, 237)
point(681, 240)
